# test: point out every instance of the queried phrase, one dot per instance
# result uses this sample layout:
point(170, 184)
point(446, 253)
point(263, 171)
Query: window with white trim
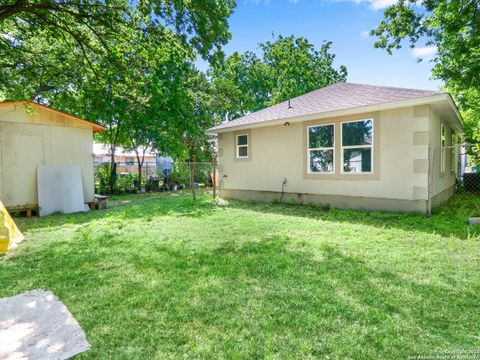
point(357, 146)
point(242, 146)
point(443, 144)
point(321, 145)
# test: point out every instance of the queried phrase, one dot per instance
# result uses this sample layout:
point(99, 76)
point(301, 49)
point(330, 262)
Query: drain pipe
point(284, 183)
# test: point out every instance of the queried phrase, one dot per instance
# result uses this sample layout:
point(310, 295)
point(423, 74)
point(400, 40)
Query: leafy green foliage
point(134, 73)
point(453, 26)
point(45, 45)
point(102, 178)
point(288, 67)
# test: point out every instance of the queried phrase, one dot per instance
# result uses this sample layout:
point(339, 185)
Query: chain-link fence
point(185, 175)
point(453, 169)
point(123, 168)
point(177, 176)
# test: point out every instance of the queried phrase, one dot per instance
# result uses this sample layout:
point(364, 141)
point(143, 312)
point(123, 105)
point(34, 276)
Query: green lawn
point(165, 277)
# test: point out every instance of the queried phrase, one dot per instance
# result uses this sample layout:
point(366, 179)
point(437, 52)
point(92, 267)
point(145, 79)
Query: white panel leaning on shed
point(60, 189)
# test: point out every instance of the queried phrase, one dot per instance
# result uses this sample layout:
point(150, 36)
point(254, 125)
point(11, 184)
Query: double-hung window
point(242, 146)
point(321, 145)
point(357, 146)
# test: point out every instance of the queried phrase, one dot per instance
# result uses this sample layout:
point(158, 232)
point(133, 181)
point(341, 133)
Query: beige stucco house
point(31, 135)
point(347, 145)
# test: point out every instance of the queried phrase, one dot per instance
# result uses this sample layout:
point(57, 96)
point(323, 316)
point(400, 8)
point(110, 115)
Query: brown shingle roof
point(339, 96)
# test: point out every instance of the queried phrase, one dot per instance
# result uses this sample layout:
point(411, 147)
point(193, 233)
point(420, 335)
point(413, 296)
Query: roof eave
point(96, 128)
point(343, 112)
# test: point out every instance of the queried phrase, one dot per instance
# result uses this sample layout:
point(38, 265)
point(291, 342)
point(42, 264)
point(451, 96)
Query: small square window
point(242, 146)
point(242, 139)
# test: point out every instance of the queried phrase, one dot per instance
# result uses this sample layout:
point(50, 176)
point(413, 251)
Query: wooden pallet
point(23, 210)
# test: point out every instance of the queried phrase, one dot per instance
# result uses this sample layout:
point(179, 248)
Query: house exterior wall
point(442, 182)
point(400, 175)
point(40, 138)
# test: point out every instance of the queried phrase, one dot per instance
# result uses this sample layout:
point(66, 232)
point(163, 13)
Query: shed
point(32, 135)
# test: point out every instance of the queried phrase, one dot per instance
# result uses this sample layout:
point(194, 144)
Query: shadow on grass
point(130, 208)
point(448, 220)
point(248, 300)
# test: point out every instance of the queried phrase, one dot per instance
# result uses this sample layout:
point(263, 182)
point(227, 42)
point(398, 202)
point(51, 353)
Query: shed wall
point(27, 141)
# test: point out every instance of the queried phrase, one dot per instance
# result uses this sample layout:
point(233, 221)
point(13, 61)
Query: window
point(321, 144)
point(130, 161)
point(357, 146)
point(443, 144)
point(242, 146)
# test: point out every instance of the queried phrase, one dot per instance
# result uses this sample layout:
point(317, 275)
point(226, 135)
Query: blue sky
point(345, 23)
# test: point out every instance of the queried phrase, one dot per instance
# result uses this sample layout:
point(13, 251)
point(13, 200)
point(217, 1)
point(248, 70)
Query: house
point(346, 145)
point(31, 135)
point(126, 160)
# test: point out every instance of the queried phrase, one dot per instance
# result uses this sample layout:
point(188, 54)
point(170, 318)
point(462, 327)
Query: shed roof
point(335, 97)
point(95, 127)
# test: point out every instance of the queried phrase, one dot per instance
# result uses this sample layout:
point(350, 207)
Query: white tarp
point(60, 189)
point(36, 325)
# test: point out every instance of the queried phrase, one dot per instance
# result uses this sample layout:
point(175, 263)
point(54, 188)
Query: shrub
point(102, 178)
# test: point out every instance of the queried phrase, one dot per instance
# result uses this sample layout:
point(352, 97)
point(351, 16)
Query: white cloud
point(426, 52)
point(373, 4)
point(365, 34)
point(381, 4)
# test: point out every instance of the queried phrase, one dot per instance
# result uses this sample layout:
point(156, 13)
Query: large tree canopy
point(287, 67)
point(45, 44)
point(453, 26)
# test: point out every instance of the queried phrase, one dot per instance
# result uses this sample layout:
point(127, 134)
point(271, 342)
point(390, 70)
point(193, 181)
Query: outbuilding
point(32, 135)
point(346, 145)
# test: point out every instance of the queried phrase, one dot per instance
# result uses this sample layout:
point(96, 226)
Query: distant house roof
point(339, 96)
point(104, 150)
point(96, 127)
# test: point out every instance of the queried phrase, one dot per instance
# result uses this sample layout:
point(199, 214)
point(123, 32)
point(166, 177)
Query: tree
point(287, 67)
point(453, 27)
point(116, 64)
point(45, 45)
point(296, 67)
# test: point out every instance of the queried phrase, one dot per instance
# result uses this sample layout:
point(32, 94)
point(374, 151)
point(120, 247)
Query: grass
point(165, 277)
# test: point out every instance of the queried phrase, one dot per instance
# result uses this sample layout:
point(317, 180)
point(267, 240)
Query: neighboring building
point(347, 145)
point(126, 160)
point(31, 135)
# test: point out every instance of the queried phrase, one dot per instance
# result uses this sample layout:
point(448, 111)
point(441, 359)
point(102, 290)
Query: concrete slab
point(36, 325)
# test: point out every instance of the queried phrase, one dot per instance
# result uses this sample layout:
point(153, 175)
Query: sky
point(344, 22)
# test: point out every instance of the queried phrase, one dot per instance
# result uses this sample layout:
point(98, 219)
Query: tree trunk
point(192, 177)
point(113, 170)
point(140, 161)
